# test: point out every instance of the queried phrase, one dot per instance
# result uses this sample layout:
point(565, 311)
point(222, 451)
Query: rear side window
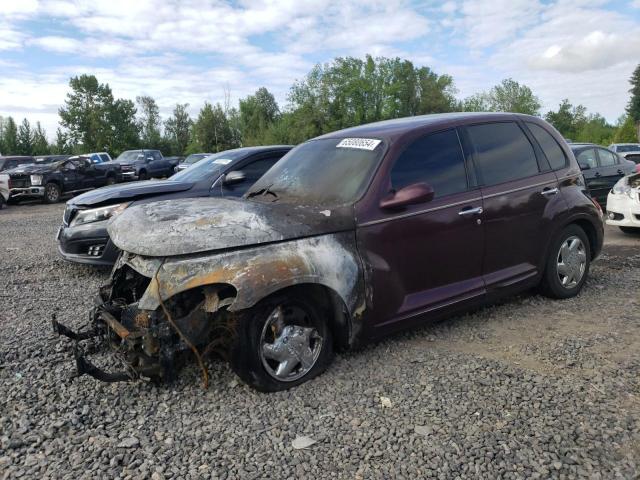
point(436, 160)
point(503, 152)
point(550, 147)
point(588, 157)
point(607, 158)
point(254, 170)
point(104, 157)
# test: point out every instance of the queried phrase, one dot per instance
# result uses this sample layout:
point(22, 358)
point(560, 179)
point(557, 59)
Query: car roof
point(391, 129)
point(259, 149)
point(623, 144)
point(16, 157)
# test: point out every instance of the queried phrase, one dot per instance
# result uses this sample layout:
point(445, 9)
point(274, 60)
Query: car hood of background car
point(179, 227)
point(129, 191)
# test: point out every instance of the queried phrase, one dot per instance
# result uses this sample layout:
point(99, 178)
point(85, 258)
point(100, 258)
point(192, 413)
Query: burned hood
point(129, 191)
point(195, 225)
point(32, 168)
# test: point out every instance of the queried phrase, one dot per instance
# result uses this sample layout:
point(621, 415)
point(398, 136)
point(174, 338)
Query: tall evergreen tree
point(25, 138)
point(633, 109)
point(10, 137)
point(178, 129)
point(40, 143)
point(149, 122)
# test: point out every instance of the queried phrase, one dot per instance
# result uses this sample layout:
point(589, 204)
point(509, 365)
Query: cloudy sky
point(192, 50)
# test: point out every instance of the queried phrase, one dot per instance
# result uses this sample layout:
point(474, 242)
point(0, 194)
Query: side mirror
point(409, 195)
point(234, 177)
point(149, 159)
point(584, 166)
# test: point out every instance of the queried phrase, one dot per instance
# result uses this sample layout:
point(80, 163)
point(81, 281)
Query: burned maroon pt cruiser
point(349, 237)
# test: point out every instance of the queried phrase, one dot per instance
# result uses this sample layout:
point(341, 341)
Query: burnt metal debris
point(158, 308)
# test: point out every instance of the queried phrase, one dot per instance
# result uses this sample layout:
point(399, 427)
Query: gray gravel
point(531, 388)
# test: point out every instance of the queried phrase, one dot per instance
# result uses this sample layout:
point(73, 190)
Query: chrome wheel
point(571, 262)
point(289, 344)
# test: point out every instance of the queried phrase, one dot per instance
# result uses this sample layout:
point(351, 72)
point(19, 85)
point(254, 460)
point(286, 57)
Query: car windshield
point(628, 148)
point(208, 166)
point(194, 157)
point(128, 156)
point(328, 172)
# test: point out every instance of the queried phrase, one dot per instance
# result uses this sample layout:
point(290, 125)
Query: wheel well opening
point(332, 306)
point(590, 231)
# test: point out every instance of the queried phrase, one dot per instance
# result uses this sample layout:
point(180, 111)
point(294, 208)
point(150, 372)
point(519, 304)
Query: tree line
point(343, 93)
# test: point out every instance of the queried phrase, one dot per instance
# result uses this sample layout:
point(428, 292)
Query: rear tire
point(630, 230)
point(567, 265)
point(281, 342)
point(52, 193)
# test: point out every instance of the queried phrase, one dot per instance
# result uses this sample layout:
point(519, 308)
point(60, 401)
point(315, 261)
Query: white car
point(623, 204)
point(4, 190)
point(630, 151)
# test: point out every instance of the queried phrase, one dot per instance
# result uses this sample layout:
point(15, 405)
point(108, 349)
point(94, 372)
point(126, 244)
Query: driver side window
point(436, 160)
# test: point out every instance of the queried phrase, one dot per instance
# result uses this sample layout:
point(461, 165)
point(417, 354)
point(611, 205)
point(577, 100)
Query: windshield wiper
point(263, 191)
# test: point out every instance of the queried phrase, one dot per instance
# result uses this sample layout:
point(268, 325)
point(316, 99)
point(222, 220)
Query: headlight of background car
point(622, 187)
point(36, 180)
point(98, 214)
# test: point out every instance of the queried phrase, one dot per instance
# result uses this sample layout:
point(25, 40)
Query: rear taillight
point(595, 202)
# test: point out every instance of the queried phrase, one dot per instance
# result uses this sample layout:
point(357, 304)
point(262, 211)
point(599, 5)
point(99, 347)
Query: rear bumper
point(623, 211)
point(26, 192)
point(88, 244)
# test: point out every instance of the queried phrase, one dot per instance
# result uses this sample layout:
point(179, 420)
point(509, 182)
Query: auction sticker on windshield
point(359, 143)
point(222, 161)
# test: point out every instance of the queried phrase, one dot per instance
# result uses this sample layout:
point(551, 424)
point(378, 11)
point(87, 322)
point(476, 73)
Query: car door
point(91, 176)
point(252, 169)
point(71, 177)
point(588, 161)
point(610, 172)
point(423, 258)
point(517, 187)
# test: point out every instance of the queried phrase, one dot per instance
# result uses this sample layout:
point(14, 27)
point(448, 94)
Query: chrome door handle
point(549, 191)
point(471, 211)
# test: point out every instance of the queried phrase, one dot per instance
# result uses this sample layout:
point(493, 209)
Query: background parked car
point(630, 151)
point(601, 168)
point(83, 235)
point(190, 160)
point(623, 204)
point(9, 162)
point(144, 164)
point(50, 181)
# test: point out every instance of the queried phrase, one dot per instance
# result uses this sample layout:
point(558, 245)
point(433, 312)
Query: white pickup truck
point(4, 190)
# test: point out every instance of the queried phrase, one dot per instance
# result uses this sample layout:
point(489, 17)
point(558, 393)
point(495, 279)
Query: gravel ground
point(531, 388)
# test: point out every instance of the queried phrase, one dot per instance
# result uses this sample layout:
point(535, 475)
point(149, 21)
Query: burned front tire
point(281, 342)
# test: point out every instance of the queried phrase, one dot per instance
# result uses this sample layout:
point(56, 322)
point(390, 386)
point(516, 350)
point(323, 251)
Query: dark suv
point(351, 236)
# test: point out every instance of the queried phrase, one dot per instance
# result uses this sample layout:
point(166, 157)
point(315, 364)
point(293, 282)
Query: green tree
point(124, 133)
point(257, 113)
point(178, 129)
point(61, 145)
point(25, 138)
point(633, 109)
point(211, 131)
point(351, 91)
point(149, 122)
point(596, 129)
point(86, 113)
point(476, 103)
point(40, 143)
point(568, 120)
point(10, 137)
point(510, 96)
point(626, 131)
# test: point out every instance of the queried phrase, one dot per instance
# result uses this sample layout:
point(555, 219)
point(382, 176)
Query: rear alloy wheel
point(280, 343)
point(631, 230)
point(568, 264)
point(52, 193)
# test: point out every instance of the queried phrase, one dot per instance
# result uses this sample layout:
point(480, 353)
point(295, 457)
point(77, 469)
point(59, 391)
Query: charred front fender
point(330, 260)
